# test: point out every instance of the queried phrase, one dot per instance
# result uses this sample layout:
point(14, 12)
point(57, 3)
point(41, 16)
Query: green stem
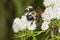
point(58, 38)
point(34, 38)
point(52, 35)
point(47, 37)
point(23, 38)
point(38, 33)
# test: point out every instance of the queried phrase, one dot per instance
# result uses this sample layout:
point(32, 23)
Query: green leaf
point(20, 35)
point(34, 38)
point(38, 32)
point(57, 36)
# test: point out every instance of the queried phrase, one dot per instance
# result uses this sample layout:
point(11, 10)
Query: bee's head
point(31, 16)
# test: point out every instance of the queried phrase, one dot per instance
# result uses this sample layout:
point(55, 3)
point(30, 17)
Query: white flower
point(15, 29)
point(45, 25)
point(51, 2)
point(23, 18)
point(58, 12)
point(52, 11)
point(59, 30)
point(16, 25)
point(32, 26)
point(47, 3)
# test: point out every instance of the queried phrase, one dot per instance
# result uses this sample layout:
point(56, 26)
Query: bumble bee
point(34, 15)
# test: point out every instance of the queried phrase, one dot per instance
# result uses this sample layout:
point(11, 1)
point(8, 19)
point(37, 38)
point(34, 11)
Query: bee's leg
point(31, 22)
point(38, 18)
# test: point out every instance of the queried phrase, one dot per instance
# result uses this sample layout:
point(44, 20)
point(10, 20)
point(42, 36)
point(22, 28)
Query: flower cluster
point(22, 23)
point(51, 2)
point(52, 11)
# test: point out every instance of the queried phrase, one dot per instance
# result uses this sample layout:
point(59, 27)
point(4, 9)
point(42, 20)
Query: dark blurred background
point(9, 9)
